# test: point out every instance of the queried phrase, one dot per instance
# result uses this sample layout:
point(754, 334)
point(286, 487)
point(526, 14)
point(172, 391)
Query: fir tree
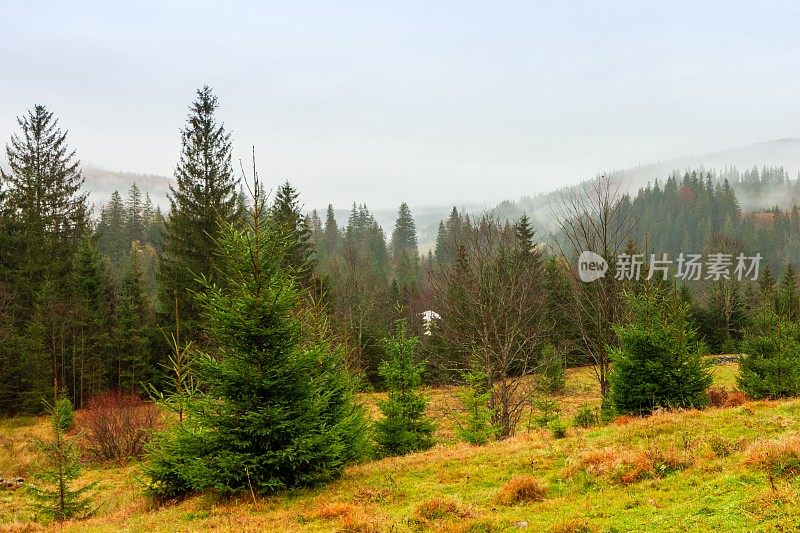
point(136, 217)
point(204, 197)
point(331, 236)
point(404, 235)
point(475, 425)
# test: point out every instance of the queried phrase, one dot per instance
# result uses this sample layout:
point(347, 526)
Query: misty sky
point(427, 102)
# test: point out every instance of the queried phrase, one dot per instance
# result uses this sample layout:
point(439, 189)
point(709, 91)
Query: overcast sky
point(427, 102)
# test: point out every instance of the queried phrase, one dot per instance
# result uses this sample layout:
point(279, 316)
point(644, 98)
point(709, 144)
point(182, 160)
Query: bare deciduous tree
point(491, 299)
point(596, 217)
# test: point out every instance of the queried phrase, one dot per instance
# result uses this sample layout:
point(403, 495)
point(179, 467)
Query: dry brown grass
point(439, 508)
point(576, 525)
point(779, 456)
point(521, 489)
point(722, 397)
point(626, 465)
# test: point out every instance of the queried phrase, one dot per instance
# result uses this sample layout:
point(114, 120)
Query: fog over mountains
point(784, 152)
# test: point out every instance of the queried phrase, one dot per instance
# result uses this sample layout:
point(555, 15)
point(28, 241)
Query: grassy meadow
point(724, 468)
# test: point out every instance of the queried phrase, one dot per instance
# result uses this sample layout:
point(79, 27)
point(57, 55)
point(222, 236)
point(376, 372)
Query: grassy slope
point(672, 471)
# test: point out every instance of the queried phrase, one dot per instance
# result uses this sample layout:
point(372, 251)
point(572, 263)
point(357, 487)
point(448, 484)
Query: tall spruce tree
point(204, 198)
point(405, 251)
point(286, 217)
point(331, 236)
point(276, 411)
point(43, 195)
point(112, 230)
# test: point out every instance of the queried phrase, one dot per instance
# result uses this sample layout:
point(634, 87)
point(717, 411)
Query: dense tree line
point(92, 304)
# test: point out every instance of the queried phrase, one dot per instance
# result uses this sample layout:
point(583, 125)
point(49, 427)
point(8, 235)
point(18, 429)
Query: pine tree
point(404, 427)
point(274, 412)
point(53, 495)
point(204, 197)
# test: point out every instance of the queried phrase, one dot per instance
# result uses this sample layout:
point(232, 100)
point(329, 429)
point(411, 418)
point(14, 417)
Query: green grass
point(673, 471)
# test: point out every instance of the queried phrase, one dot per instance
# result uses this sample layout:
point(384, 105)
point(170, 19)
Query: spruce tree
point(770, 366)
point(43, 195)
point(331, 236)
point(660, 362)
point(112, 230)
point(404, 235)
point(274, 412)
point(92, 354)
point(404, 427)
point(204, 197)
point(286, 217)
point(52, 493)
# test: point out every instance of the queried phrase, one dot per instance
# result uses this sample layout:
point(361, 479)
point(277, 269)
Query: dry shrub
point(775, 456)
point(721, 446)
point(335, 510)
point(117, 425)
point(440, 508)
point(573, 526)
point(624, 420)
point(520, 489)
point(721, 397)
point(629, 466)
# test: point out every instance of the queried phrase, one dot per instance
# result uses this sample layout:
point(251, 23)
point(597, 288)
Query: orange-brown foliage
point(521, 489)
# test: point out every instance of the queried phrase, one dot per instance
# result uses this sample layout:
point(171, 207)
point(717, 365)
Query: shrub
point(552, 377)
point(660, 362)
point(721, 397)
point(586, 417)
point(720, 446)
point(475, 426)
point(770, 366)
point(521, 489)
point(404, 427)
point(440, 508)
point(558, 428)
point(546, 410)
point(117, 425)
point(776, 457)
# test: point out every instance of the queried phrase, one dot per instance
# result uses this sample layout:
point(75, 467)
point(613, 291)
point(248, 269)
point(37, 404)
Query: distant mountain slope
point(102, 183)
point(783, 152)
